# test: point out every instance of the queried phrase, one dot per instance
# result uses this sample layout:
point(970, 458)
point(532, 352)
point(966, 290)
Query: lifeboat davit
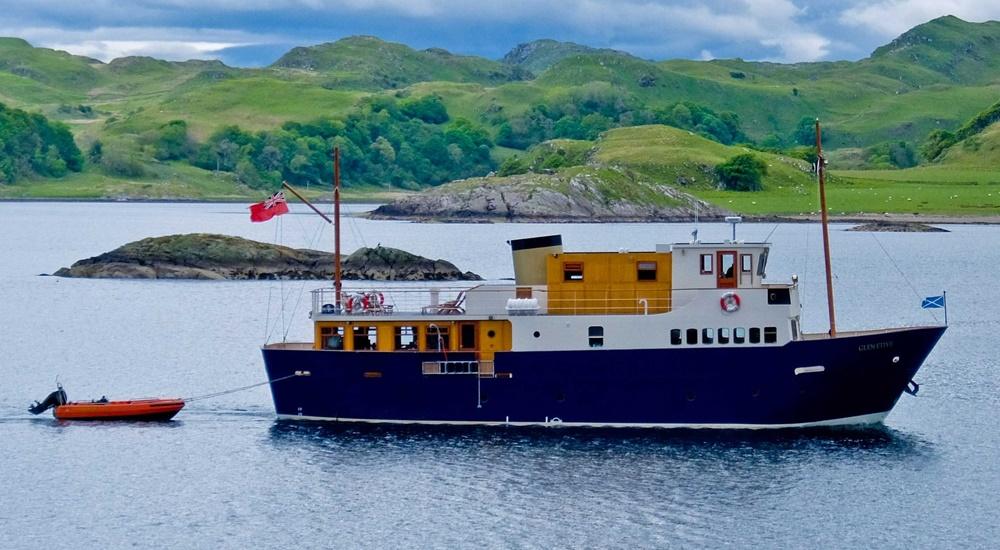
point(163, 408)
point(135, 409)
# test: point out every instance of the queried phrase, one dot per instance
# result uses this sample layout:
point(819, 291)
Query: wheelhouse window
point(739, 335)
point(770, 335)
point(723, 335)
point(746, 263)
point(645, 271)
point(755, 335)
point(436, 338)
point(332, 337)
point(675, 337)
point(365, 338)
point(406, 338)
point(707, 335)
point(596, 337)
point(467, 336)
point(706, 264)
point(573, 271)
point(692, 336)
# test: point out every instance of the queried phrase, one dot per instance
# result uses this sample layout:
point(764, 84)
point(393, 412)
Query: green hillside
point(538, 55)
point(370, 63)
point(630, 160)
point(937, 76)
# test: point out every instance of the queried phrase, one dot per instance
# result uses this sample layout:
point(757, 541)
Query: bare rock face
point(897, 227)
point(548, 197)
point(207, 256)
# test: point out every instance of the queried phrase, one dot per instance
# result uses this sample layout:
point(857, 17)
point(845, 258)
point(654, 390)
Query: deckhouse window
point(573, 271)
point(646, 271)
point(706, 264)
point(596, 337)
point(365, 338)
point(739, 335)
point(746, 263)
point(755, 335)
point(707, 335)
point(436, 338)
point(332, 337)
point(723, 335)
point(675, 337)
point(692, 336)
point(406, 338)
point(770, 335)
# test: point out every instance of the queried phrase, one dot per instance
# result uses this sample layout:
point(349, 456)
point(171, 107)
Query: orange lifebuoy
point(730, 302)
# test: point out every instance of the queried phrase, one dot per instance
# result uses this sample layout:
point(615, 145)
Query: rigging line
point(281, 280)
point(234, 390)
point(298, 299)
point(773, 229)
point(916, 293)
point(270, 291)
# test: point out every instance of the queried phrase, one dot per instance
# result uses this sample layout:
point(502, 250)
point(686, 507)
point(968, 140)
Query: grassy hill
point(935, 76)
point(629, 160)
point(370, 63)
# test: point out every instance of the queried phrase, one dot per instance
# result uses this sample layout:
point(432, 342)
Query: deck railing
point(488, 300)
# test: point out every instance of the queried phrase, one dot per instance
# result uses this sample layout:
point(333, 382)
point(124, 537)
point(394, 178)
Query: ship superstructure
point(684, 335)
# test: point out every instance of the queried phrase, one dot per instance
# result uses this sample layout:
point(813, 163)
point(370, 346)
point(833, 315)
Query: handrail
point(484, 300)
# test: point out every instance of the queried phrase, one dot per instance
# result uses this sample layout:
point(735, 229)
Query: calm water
point(225, 474)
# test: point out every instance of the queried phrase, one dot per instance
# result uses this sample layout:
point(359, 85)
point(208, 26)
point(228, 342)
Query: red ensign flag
point(274, 206)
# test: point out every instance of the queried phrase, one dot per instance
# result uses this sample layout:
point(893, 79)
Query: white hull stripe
point(807, 370)
point(863, 419)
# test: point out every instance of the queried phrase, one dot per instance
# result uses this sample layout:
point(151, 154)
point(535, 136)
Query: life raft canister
point(730, 302)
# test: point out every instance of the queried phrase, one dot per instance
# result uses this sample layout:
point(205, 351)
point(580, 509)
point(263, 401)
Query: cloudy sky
point(256, 32)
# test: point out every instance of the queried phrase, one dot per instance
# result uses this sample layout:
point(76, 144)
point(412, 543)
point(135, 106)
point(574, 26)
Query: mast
point(336, 225)
point(821, 172)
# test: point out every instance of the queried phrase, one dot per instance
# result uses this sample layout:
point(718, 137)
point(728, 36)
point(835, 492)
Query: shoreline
point(991, 219)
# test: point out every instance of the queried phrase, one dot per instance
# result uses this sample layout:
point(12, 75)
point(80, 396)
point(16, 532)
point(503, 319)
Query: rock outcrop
point(551, 198)
point(207, 256)
point(898, 227)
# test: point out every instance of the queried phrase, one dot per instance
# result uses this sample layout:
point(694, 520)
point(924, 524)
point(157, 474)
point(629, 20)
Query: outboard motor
point(54, 399)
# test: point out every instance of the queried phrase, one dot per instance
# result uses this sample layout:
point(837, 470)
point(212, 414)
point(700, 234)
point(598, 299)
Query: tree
point(936, 143)
point(743, 172)
point(428, 108)
point(805, 131)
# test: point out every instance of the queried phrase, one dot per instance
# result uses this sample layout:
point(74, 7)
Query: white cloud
point(890, 18)
point(170, 50)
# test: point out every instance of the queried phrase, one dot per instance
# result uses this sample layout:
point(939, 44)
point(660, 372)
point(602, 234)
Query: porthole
point(537, 334)
point(491, 333)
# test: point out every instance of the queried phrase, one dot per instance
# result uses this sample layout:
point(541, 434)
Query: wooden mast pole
point(821, 172)
point(336, 225)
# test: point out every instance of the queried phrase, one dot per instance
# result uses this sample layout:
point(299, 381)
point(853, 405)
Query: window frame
point(595, 336)
point(646, 271)
point(707, 259)
point(573, 272)
point(746, 263)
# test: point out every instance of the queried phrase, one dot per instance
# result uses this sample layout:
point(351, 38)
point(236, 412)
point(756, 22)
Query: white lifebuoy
point(381, 299)
point(730, 302)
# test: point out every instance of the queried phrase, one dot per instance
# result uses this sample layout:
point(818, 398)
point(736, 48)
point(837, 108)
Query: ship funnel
point(530, 256)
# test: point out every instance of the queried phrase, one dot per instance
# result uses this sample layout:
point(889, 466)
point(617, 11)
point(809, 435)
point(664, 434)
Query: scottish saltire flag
point(933, 302)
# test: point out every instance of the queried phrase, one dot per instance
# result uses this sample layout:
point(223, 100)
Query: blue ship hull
point(862, 377)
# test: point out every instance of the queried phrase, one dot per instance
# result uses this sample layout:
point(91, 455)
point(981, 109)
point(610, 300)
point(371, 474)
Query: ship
point(683, 335)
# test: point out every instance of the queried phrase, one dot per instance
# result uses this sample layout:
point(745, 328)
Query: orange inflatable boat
point(134, 409)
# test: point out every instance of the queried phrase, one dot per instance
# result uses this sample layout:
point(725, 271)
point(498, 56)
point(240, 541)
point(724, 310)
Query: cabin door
point(727, 272)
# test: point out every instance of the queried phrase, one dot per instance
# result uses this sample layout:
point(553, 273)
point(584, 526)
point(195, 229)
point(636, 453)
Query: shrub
point(742, 173)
